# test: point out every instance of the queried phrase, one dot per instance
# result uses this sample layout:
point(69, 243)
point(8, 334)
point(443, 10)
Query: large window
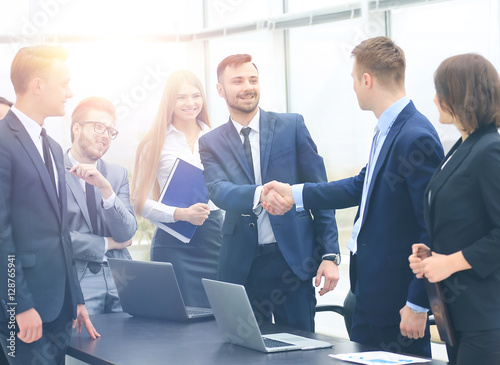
point(127, 56)
point(321, 89)
point(222, 13)
point(430, 33)
point(266, 49)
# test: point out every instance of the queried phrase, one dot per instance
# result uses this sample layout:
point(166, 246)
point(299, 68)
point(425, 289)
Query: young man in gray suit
point(101, 219)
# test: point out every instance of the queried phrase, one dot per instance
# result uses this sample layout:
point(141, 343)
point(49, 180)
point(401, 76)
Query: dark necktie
point(90, 193)
point(47, 158)
point(248, 150)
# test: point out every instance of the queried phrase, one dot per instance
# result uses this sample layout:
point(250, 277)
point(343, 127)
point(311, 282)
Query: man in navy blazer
point(274, 257)
point(391, 303)
point(39, 291)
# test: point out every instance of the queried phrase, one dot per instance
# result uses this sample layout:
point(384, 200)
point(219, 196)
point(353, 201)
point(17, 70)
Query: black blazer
point(33, 227)
point(462, 213)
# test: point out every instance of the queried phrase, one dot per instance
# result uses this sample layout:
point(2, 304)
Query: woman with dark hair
point(181, 120)
point(462, 209)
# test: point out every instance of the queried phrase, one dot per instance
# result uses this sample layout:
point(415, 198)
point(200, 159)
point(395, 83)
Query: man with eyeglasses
point(101, 219)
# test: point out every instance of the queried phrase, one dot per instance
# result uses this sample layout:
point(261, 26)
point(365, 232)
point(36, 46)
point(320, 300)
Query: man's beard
point(85, 144)
point(245, 108)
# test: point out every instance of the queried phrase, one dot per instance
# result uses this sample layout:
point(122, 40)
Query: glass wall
point(321, 89)
point(132, 76)
point(127, 56)
point(222, 13)
point(431, 33)
point(266, 49)
point(123, 63)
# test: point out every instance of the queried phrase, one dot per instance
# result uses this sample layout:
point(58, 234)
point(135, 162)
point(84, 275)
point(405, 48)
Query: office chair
point(345, 310)
point(434, 330)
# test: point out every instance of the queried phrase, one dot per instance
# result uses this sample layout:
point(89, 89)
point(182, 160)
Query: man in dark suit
point(101, 218)
point(274, 257)
point(40, 293)
point(391, 304)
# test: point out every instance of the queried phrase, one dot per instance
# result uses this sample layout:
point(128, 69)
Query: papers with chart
point(379, 358)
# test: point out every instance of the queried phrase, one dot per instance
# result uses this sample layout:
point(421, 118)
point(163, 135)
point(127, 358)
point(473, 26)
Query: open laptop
point(238, 325)
point(150, 289)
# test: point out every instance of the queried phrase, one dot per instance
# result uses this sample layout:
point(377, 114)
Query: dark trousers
point(475, 347)
point(387, 338)
point(274, 290)
point(50, 349)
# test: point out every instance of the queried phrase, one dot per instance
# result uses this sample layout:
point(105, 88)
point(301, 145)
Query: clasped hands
point(436, 267)
point(277, 198)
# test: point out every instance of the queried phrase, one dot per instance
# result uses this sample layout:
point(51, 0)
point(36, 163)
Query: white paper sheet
point(379, 358)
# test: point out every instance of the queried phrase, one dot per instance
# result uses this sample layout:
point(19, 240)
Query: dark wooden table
point(130, 340)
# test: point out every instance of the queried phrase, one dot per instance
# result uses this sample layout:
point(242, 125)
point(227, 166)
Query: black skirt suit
point(462, 213)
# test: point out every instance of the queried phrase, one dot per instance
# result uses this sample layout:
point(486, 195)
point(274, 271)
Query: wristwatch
point(335, 257)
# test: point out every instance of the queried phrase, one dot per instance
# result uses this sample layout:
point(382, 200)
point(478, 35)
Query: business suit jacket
point(287, 154)
point(393, 218)
point(118, 221)
point(462, 213)
point(34, 226)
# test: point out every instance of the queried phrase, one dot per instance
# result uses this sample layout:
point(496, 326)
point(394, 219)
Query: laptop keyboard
point(274, 343)
point(198, 311)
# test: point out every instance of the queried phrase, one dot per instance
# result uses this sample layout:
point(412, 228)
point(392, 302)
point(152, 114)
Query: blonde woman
point(181, 120)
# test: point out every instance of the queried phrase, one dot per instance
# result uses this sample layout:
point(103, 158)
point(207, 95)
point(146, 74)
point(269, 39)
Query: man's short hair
point(5, 102)
point(88, 104)
point(30, 62)
point(382, 58)
point(233, 61)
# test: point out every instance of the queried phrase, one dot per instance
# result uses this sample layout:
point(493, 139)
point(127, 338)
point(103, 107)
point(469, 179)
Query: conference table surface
point(127, 340)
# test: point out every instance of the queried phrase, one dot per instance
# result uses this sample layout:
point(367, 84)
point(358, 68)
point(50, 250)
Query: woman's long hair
point(147, 158)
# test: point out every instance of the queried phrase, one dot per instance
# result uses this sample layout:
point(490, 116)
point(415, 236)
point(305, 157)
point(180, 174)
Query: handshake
point(277, 198)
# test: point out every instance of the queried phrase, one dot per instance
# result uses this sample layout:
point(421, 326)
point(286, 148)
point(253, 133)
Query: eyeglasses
point(101, 128)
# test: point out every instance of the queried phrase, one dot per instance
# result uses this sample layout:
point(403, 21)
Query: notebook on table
point(150, 289)
point(237, 322)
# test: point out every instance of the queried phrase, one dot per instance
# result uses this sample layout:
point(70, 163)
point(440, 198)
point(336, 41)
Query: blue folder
point(185, 186)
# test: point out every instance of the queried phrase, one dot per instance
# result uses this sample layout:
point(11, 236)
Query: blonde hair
point(35, 61)
point(147, 158)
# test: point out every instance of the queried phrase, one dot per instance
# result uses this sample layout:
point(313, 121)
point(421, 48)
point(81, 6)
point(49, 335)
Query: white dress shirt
point(264, 228)
point(34, 129)
point(175, 146)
